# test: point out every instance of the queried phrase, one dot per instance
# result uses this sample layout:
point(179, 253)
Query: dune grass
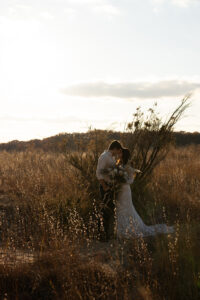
point(51, 232)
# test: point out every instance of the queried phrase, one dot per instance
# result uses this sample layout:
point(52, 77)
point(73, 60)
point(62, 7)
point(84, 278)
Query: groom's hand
point(106, 187)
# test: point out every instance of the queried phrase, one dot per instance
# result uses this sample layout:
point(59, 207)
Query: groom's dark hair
point(115, 145)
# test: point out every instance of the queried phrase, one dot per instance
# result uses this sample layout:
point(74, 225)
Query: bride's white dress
point(128, 222)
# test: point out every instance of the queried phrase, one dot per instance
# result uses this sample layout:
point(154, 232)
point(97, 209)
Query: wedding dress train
point(128, 222)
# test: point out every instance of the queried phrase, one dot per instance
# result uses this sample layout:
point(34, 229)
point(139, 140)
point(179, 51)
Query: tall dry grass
point(48, 213)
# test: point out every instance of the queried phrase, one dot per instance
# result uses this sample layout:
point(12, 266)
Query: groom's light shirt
point(106, 160)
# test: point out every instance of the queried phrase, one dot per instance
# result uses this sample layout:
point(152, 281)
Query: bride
point(128, 222)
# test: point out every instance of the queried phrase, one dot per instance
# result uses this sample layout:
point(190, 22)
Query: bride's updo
point(125, 156)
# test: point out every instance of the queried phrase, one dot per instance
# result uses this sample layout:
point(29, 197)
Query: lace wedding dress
point(128, 222)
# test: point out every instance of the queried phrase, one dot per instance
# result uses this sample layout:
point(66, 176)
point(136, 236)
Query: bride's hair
point(125, 155)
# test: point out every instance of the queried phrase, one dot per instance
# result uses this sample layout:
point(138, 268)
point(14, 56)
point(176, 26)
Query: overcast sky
point(66, 65)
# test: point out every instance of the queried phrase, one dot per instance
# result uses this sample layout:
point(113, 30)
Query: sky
point(70, 65)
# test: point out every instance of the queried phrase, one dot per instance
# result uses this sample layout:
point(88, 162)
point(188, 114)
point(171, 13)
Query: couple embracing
point(114, 165)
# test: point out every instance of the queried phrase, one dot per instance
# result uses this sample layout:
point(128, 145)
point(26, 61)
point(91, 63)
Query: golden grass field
point(50, 240)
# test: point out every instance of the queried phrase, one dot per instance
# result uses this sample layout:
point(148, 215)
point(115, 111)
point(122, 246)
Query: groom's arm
point(102, 162)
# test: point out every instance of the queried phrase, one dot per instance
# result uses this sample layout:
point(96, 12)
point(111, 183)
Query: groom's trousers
point(108, 212)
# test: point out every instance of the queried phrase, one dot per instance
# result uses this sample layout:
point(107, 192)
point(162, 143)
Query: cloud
point(15, 28)
point(70, 8)
point(18, 12)
point(70, 11)
point(46, 15)
point(107, 9)
point(22, 119)
point(143, 90)
point(183, 3)
point(180, 3)
point(98, 6)
point(83, 2)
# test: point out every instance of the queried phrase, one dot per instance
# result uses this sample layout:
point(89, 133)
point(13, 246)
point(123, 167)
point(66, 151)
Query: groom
point(106, 160)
